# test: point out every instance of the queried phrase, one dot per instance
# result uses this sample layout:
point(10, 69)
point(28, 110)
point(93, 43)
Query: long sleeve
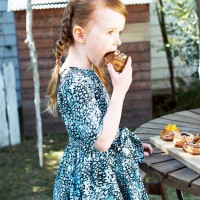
point(85, 117)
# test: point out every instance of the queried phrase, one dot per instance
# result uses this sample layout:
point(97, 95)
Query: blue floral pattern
point(85, 172)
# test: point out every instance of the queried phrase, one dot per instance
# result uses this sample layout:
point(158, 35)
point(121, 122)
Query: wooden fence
point(9, 118)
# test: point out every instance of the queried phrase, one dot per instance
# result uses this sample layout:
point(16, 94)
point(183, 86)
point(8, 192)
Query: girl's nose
point(118, 41)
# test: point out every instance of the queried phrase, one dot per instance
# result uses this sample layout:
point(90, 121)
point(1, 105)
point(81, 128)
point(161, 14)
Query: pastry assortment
point(117, 59)
point(187, 141)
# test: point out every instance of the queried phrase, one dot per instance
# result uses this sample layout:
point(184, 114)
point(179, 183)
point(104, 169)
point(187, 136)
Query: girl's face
point(102, 34)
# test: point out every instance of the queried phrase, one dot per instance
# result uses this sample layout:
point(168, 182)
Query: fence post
point(11, 101)
point(4, 134)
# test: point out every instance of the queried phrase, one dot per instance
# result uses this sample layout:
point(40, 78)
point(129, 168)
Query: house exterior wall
point(136, 43)
point(8, 45)
point(46, 28)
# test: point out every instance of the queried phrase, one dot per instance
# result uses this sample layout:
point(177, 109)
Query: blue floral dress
point(85, 172)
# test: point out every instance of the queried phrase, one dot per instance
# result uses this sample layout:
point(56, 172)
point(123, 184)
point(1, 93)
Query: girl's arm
point(121, 83)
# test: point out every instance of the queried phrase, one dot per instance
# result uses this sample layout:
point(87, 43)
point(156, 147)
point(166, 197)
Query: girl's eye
point(110, 32)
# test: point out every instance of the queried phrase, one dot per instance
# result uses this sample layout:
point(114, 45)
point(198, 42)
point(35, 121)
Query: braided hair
point(76, 12)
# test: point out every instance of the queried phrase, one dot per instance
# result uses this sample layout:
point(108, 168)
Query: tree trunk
point(198, 14)
point(34, 67)
point(161, 18)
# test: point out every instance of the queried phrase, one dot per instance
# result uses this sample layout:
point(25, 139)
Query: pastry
point(180, 139)
point(193, 147)
point(168, 132)
point(117, 59)
point(168, 136)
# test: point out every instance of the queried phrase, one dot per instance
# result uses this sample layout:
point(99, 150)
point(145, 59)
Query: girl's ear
point(79, 34)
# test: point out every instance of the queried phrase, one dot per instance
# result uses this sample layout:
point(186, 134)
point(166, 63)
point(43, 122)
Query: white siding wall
point(8, 45)
point(159, 66)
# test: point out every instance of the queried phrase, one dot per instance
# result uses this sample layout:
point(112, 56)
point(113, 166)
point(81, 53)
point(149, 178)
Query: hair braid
point(62, 45)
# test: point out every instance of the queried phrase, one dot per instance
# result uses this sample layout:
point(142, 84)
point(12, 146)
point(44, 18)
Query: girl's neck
point(76, 58)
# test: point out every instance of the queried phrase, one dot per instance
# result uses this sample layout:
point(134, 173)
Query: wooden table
point(164, 167)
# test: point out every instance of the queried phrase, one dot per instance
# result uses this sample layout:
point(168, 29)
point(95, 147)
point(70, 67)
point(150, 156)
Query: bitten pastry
point(193, 147)
point(168, 132)
point(117, 59)
point(180, 139)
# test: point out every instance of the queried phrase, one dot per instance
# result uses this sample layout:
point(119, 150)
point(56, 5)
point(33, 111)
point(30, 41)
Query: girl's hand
point(121, 81)
point(147, 149)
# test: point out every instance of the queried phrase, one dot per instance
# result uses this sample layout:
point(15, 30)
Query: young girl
point(101, 159)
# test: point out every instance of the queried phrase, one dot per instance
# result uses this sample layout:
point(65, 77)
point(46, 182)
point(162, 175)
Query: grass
point(21, 177)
